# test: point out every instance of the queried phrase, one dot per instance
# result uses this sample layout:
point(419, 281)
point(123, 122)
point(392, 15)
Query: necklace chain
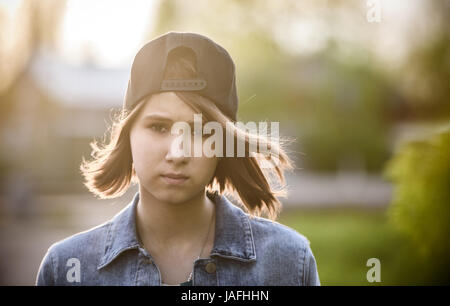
point(204, 243)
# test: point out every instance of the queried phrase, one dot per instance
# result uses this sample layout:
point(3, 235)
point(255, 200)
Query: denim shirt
point(247, 251)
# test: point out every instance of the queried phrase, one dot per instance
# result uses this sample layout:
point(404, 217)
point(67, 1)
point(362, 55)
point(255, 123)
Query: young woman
point(180, 228)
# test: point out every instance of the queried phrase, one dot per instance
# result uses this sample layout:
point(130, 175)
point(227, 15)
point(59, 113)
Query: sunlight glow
point(107, 32)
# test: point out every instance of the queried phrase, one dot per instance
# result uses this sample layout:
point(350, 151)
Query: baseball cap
point(215, 79)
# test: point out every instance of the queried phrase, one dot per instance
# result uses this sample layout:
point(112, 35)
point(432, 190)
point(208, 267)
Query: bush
point(420, 206)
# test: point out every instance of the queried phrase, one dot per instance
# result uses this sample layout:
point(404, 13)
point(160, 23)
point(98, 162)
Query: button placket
point(148, 272)
point(205, 272)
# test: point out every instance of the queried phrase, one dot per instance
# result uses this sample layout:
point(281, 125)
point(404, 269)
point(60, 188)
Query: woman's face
point(156, 157)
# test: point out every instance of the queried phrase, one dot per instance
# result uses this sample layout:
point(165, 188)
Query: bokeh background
point(366, 99)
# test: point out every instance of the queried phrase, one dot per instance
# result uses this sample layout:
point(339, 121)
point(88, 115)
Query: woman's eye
point(158, 128)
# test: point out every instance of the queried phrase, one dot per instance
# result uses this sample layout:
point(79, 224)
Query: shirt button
point(210, 267)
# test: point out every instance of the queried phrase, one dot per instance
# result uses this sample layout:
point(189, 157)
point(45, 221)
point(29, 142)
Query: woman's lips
point(174, 179)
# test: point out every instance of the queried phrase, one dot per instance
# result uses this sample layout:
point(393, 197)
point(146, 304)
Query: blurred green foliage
point(342, 114)
point(343, 239)
point(420, 208)
point(427, 68)
point(337, 110)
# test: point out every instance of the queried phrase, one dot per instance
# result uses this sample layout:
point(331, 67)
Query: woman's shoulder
point(275, 240)
point(278, 233)
point(93, 240)
point(263, 229)
point(81, 251)
point(83, 241)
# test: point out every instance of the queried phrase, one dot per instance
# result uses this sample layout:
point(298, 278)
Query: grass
point(342, 241)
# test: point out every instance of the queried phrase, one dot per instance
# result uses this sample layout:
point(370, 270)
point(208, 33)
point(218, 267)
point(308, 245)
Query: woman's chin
point(171, 196)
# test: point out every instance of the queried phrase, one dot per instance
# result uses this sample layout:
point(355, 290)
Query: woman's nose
point(179, 148)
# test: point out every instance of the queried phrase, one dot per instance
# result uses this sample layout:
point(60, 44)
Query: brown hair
point(111, 171)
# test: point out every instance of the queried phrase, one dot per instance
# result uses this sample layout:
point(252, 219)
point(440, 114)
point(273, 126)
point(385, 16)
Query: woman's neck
point(163, 225)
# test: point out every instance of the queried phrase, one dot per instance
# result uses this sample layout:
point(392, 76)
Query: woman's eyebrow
point(162, 118)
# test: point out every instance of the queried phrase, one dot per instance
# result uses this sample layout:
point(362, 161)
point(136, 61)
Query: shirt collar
point(233, 236)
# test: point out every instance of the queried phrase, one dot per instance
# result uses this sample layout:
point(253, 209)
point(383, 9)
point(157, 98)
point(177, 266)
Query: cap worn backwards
point(215, 79)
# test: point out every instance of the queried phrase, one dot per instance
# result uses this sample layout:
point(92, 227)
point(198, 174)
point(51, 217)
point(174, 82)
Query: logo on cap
point(183, 84)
